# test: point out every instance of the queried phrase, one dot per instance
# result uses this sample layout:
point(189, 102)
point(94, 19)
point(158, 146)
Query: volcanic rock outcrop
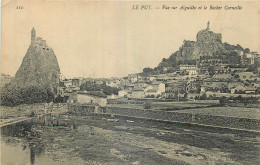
point(37, 78)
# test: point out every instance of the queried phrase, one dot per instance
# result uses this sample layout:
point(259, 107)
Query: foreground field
point(107, 140)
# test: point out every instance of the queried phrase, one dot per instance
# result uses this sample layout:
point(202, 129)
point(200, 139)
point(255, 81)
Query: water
point(22, 143)
point(52, 140)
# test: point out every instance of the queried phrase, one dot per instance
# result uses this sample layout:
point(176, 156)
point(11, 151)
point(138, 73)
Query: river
point(107, 140)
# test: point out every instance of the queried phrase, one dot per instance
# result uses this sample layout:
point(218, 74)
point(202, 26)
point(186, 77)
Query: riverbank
point(235, 118)
point(5, 122)
point(25, 111)
point(110, 140)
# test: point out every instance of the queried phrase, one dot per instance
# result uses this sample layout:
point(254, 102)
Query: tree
point(247, 50)
point(236, 76)
point(148, 71)
point(211, 70)
point(164, 60)
point(203, 96)
point(88, 86)
point(223, 100)
point(13, 95)
point(257, 90)
point(147, 105)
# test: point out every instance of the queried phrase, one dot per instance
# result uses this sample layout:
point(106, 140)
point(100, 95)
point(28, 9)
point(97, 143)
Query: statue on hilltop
point(208, 29)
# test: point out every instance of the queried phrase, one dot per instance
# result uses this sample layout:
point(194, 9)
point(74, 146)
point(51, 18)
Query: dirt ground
point(108, 140)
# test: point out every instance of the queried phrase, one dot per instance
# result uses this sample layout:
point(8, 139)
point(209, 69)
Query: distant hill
point(207, 43)
point(36, 79)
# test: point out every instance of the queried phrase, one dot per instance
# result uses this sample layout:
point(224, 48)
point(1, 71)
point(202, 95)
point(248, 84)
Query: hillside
point(207, 44)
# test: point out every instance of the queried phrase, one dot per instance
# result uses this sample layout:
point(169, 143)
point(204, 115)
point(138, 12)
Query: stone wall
point(29, 109)
point(223, 121)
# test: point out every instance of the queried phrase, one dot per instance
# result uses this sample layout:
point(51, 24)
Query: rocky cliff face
point(37, 78)
point(39, 68)
point(207, 44)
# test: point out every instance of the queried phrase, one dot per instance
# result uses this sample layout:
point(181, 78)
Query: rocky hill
point(207, 43)
point(37, 78)
point(39, 67)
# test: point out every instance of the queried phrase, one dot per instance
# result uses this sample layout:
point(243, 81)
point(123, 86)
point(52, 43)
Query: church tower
point(33, 35)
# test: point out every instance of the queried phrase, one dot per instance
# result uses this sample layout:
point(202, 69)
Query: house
point(76, 82)
point(152, 78)
point(156, 88)
point(138, 93)
point(191, 69)
point(90, 97)
point(219, 69)
point(215, 86)
point(129, 88)
point(240, 53)
point(66, 83)
point(132, 77)
point(222, 77)
point(236, 69)
point(122, 93)
point(185, 67)
point(61, 77)
point(245, 75)
point(233, 85)
point(112, 96)
point(174, 89)
point(123, 83)
point(140, 84)
point(250, 90)
point(238, 89)
point(203, 88)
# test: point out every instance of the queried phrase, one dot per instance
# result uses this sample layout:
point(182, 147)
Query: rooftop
point(93, 93)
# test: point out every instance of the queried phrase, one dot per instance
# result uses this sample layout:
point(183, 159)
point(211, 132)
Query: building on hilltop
point(206, 35)
point(38, 41)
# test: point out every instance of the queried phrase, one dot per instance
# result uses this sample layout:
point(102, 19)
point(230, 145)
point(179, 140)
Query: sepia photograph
point(130, 82)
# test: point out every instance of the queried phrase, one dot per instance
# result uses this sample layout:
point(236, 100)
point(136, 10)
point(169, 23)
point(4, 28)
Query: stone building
point(38, 41)
point(91, 97)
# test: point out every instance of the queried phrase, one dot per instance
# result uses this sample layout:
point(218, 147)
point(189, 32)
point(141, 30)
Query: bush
point(147, 105)
point(14, 95)
point(32, 114)
point(223, 100)
point(203, 96)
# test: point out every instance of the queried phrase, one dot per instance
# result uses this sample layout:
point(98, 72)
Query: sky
point(110, 39)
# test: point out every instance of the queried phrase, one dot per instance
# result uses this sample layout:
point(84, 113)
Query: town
point(234, 76)
point(199, 106)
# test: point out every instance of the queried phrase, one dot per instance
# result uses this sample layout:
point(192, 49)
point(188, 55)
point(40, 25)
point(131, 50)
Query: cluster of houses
point(170, 86)
point(188, 82)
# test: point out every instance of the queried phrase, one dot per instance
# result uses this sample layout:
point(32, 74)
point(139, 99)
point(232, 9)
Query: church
point(37, 41)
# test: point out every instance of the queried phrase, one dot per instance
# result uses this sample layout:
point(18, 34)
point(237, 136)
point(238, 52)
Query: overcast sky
point(98, 39)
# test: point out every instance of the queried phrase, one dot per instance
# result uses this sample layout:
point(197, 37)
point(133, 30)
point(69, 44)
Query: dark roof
point(94, 93)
